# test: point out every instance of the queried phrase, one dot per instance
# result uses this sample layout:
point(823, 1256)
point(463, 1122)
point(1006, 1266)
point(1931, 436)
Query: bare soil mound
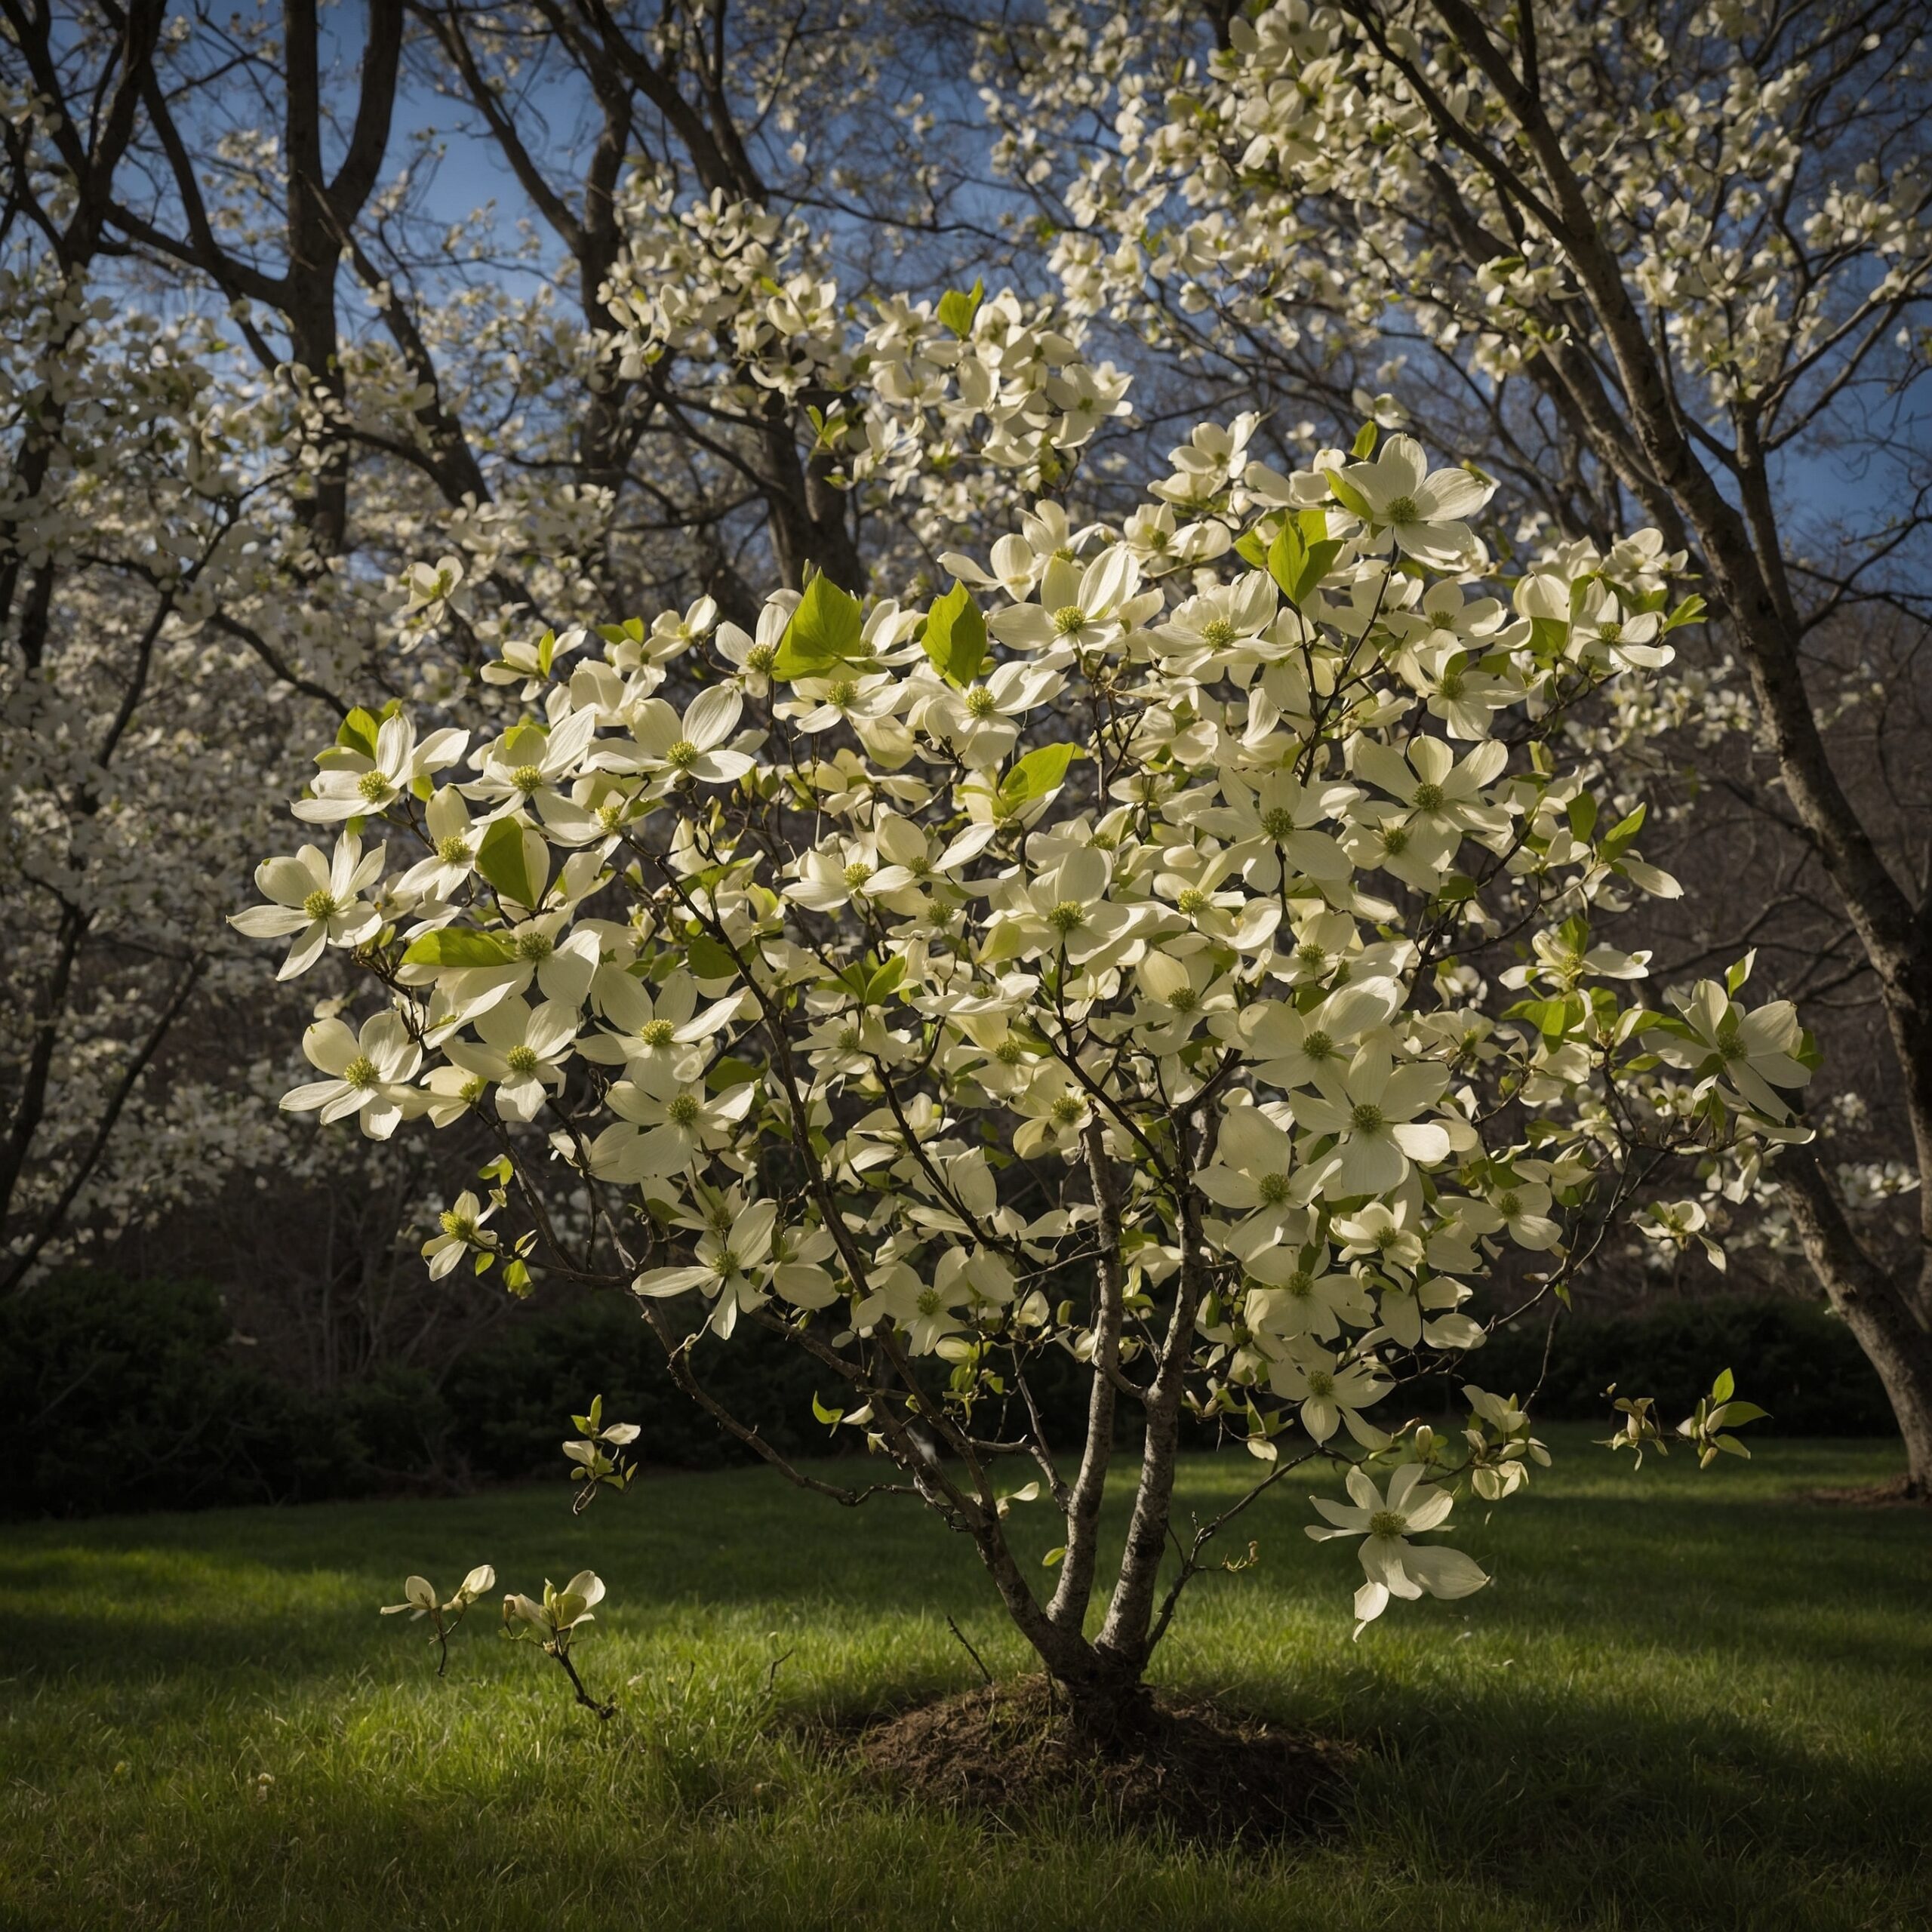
point(1185, 1766)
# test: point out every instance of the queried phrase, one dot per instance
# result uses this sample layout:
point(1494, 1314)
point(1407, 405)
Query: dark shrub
point(1793, 1358)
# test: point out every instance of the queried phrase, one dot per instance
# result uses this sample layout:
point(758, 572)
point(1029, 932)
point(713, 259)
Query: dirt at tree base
point(1896, 1494)
point(1009, 1749)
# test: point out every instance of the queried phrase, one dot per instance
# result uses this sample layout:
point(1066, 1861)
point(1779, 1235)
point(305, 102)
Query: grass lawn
point(1688, 1702)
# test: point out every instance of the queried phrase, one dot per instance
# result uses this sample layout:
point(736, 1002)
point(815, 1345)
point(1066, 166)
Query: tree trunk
point(1881, 1312)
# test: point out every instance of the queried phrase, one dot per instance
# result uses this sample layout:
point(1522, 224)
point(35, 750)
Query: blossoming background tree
point(1649, 258)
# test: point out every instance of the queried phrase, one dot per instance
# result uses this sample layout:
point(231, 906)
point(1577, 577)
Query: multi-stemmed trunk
point(1103, 1675)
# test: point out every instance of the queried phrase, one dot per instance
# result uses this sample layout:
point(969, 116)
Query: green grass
point(1688, 1702)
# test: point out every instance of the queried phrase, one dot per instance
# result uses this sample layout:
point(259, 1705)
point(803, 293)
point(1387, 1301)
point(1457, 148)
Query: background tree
point(1671, 258)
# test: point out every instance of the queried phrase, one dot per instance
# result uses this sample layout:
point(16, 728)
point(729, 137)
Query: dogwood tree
point(1201, 976)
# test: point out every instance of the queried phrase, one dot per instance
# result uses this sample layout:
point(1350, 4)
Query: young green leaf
point(457, 946)
point(357, 732)
point(954, 638)
point(515, 860)
point(1038, 773)
point(825, 634)
point(957, 309)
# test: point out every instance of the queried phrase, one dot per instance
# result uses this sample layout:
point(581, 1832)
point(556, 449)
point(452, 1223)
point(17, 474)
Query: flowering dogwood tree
point(1199, 975)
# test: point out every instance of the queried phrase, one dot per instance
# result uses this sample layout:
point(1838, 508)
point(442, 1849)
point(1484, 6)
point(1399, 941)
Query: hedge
point(121, 1395)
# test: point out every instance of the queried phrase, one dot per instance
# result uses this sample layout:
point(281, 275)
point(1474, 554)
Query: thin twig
point(966, 1644)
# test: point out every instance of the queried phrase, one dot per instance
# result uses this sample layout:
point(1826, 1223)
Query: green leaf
point(708, 960)
point(515, 860)
point(1053, 1557)
point(516, 1278)
point(1720, 1390)
point(957, 310)
point(1691, 611)
point(832, 1418)
point(955, 636)
point(457, 946)
point(825, 633)
point(1345, 494)
point(1038, 773)
point(1582, 813)
point(1301, 555)
point(730, 1072)
point(1367, 437)
point(1551, 1017)
point(1620, 834)
point(358, 732)
point(1549, 637)
point(885, 980)
point(1736, 1414)
point(1251, 550)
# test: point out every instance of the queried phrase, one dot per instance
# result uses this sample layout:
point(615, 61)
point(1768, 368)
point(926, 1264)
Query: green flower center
point(1192, 903)
point(656, 1032)
point(452, 850)
point(1279, 824)
point(681, 1110)
point(1395, 840)
point(1317, 1045)
point(1219, 633)
point(1010, 1052)
point(1320, 1383)
point(1367, 1117)
point(1184, 999)
point(1068, 916)
point(1067, 1109)
point(373, 787)
point(1404, 510)
point(682, 755)
point(1068, 619)
point(528, 778)
point(1273, 1189)
point(320, 904)
point(535, 946)
point(929, 1302)
point(522, 1061)
point(848, 1039)
point(1508, 1206)
point(1300, 1284)
point(1610, 633)
point(1450, 683)
point(361, 1072)
point(1429, 798)
point(1387, 1523)
point(1312, 956)
point(843, 693)
point(980, 703)
point(855, 874)
point(459, 1226)
point(760, 658)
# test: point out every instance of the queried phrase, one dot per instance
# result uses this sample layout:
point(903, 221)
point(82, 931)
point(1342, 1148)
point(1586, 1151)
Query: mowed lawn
point(1688, 1701)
